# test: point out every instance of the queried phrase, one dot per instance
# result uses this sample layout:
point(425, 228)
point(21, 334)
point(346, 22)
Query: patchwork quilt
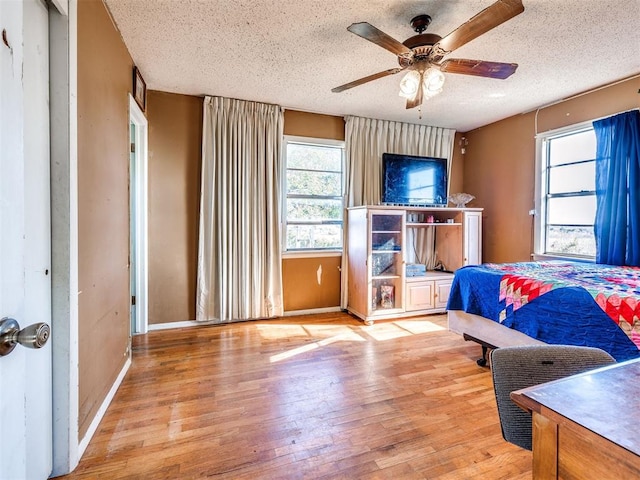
point(557, 302)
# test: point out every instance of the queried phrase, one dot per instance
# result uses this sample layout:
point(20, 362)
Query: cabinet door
point(420, 296)
point(386, 265)
point(442, 289)
point(472, 248)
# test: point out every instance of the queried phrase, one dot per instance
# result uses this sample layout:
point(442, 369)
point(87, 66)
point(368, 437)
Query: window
point(314, 189)
point(567, 194)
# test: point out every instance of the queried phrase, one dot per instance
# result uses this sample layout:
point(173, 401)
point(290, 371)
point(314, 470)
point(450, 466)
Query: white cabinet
point(429, 292)
point(376, 263)
point(472, 249)
point(420, 294)
point(382, 240)
point(442, 289)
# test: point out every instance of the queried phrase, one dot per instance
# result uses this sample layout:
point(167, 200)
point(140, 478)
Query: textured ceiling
point(292, 52)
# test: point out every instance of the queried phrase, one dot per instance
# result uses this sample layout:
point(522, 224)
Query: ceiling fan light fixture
point(432, 83)
point(409, 84)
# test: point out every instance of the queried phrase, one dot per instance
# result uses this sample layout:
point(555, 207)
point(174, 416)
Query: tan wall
point(175, 129)
point(175, 139)
point(104, 81)
point(315, 125)
point(310, 283)
point(457, 167)
point(302, 289)
point(500, 160)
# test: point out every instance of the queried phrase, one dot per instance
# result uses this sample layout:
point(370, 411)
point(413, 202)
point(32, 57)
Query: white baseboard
point(312, 311)
point(168, 325)
point(103, 409)
point(193, 323)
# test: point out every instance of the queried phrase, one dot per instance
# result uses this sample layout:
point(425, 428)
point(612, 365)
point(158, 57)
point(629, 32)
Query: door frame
point(63, 96)
point(138, 211)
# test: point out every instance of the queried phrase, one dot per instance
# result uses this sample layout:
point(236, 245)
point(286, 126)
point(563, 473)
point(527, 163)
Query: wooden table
point(586, 426)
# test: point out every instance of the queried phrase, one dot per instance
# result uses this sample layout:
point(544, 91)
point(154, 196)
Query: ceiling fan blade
point(479, 68)
point(360, 81)
point(373, 34)
point(417, 100)
point(489, 18)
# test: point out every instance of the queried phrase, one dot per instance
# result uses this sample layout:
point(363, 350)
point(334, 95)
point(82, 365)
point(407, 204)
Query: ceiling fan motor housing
point(421, 40)
point(420, 44)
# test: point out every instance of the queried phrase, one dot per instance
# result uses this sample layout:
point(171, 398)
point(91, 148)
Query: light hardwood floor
point(308, 397)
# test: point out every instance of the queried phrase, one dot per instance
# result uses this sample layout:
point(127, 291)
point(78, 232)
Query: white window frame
point(540, 192)
point(310, 252)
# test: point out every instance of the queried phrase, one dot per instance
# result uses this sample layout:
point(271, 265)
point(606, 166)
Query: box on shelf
point(416, 270)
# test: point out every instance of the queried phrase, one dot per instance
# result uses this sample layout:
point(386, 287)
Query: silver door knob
point(33, 336)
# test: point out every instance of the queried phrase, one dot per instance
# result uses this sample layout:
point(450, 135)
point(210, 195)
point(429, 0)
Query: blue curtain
point(617, 223)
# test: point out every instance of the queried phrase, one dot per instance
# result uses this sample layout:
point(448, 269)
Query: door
point(138, 252)
point(133, 263)
point(25, 287)
point(472, 249)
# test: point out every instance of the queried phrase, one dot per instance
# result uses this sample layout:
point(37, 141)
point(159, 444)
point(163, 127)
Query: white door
point(25, 287)
point(138, 129)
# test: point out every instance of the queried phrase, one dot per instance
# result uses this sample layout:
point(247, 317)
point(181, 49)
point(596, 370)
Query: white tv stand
point(378, 253)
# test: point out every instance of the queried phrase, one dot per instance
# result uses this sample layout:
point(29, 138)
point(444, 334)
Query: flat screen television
point(413, 180)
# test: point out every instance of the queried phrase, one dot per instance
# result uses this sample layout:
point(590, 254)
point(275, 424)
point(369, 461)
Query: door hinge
point(133, 148)
point(133, 299)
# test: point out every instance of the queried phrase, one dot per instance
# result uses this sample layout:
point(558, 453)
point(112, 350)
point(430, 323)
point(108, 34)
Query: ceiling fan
point(423, 54)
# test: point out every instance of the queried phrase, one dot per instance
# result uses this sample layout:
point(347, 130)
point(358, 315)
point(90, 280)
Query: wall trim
point(138, 177)
point(312, 311)
point(183, 324)
point(193, 323)
point(63, 88)
point(310, 254)
point(84, 443)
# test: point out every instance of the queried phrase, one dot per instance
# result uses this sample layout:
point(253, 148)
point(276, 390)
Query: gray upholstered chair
point(514, 368)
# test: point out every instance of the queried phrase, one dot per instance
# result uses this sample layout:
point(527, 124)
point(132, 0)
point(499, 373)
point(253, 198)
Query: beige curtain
point(366, 139)
point(239, 253)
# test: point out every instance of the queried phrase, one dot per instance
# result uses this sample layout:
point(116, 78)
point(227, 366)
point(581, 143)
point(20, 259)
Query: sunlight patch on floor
point(419, 326)
point(327, 331)
point(386, 331)
point(323, 335)
point(349, 336)
point(279, 331)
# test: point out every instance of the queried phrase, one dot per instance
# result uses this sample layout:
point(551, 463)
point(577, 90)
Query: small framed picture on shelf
point(139, 89)
point(387, 299)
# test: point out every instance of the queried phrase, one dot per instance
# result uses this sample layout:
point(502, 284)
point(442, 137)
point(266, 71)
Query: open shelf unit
point(382, 240)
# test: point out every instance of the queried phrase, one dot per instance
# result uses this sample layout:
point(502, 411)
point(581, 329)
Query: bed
point(554, 302)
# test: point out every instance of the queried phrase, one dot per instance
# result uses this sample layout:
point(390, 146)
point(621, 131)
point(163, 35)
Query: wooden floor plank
point(308, 397)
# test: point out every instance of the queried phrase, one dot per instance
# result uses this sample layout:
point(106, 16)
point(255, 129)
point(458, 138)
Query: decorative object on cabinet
point(460, 200)
point(386, 296)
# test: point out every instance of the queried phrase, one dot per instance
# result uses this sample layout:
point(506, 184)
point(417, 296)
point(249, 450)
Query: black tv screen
point(412, 180)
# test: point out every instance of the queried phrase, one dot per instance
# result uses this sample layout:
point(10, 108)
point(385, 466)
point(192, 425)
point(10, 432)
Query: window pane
point(314, 157)
point(311, 209)
point(314, 236)
point(571, 240)
point(572, 148)
point(314, 183)
point(573, 178)
point(572, 210)
point(313, 171)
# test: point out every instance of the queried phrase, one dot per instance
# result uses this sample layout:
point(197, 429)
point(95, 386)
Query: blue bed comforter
point(566, 315)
